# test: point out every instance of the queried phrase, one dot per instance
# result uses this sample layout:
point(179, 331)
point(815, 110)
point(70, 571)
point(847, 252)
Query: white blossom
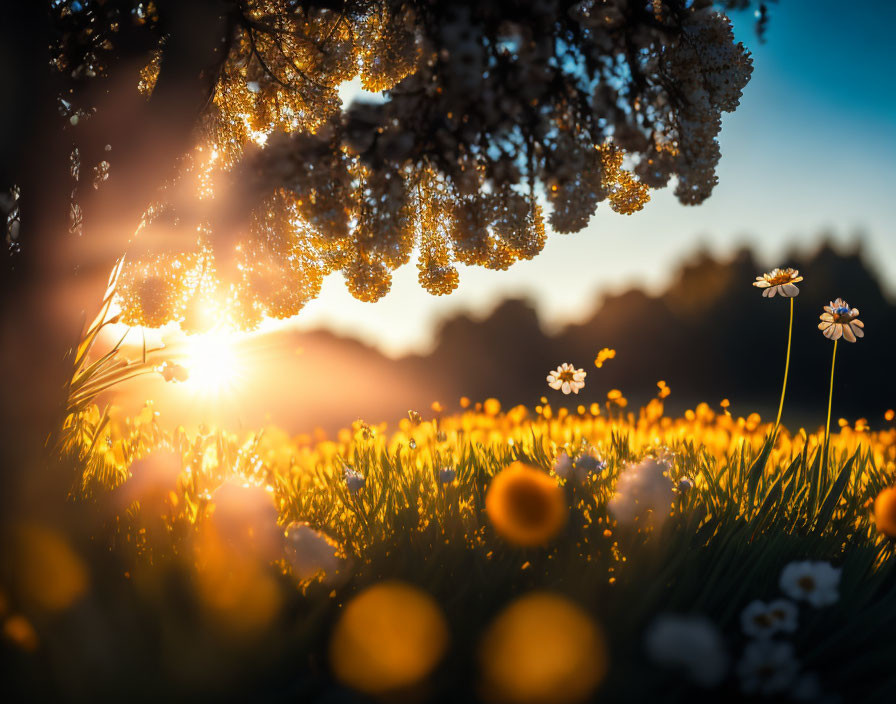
point(310, 552)
point(689, 643)
point(354, 480)
point(767, 667)
point(563, 466)
point(779, 281)
point(816, 582)
point(839, 320)
point(643, 493)
point(567, 378)
point(760, 620)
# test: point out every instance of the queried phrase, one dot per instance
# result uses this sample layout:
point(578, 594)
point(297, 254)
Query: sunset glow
point(212, 362)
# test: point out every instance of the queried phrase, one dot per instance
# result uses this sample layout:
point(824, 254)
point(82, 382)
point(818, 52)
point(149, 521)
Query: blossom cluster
point(486, 118)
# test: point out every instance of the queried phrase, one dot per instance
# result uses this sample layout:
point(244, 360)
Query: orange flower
point(885, 512)
point(526, 506)
point(605, 354)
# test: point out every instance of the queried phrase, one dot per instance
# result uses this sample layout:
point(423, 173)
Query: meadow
point(547, 554)
point(531, 555)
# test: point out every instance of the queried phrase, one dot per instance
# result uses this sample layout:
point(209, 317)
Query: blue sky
point(812, 148)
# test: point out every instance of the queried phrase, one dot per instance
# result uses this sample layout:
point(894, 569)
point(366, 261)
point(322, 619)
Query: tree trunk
point(50, 288)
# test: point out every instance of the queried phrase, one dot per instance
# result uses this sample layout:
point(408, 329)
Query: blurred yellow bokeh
point(236, 588)
point(388, 638)
point(18, 630)
point(50, 576)
point(526, 506)
point(542, 649)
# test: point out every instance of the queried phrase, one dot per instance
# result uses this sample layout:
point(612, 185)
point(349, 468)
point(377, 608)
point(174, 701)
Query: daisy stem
point(786, 367)
point(827, 428)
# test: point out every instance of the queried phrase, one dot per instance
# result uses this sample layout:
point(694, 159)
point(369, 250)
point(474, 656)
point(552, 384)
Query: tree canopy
point(496, 118)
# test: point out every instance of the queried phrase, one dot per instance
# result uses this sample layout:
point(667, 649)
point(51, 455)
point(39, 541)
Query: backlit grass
point(272, 537)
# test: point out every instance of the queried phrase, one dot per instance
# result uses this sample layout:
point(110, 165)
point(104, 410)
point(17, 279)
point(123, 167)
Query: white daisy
point(567, 378)
point(779, 281)
point(767, 667)
point(761, 620)
point(815, 582)
point(839, 320)
point(689, 643)
point(354, 480)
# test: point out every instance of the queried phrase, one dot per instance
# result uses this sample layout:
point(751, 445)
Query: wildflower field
point(518, 555)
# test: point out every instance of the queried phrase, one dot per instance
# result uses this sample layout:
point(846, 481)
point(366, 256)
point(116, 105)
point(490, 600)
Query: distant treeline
point(710, 335)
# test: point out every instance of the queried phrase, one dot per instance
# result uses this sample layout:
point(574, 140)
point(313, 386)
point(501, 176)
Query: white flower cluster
point(694, 646)
point(761, 620)
point(644, 494)
point(707, 73)
point(578, 470)
point(769, 667)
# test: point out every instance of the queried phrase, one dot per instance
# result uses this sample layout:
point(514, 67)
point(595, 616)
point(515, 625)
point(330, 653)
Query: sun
point(212, 363)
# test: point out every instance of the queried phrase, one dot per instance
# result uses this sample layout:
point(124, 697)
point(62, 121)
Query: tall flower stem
point(786, 367)
point(827, 428)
